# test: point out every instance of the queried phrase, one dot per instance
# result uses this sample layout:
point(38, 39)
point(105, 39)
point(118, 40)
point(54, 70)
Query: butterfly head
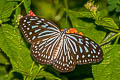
point(65, 30)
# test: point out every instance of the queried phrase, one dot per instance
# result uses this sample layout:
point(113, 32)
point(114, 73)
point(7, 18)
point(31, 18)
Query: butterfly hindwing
point(43, 51)
point(84, 49)
point(76, 49)
point(64, 61)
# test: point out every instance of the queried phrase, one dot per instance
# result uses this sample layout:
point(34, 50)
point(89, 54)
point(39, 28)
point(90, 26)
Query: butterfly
point(58, 48)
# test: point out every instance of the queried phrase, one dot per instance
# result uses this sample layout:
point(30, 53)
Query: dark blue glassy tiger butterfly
point(58, 48)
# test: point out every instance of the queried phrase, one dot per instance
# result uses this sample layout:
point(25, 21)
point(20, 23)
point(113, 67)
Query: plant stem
point(110, 38)
point(37, 71)
point(116, 41)
point(32, 67)
point(18, 5)
point(66, 9)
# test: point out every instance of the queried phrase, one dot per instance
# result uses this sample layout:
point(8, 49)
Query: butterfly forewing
point(35, 28)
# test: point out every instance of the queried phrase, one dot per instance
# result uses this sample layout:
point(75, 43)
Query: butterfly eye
point(58, 48)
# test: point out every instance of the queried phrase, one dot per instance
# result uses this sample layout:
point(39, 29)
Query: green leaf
point(12, 44)
point(88, 79)
point(111, 36)
point(114, 5)
point(14, 76)
point(118, 9)
point(3, 73)
point(47, 75)
point(14, 0)
point(27, 4)
point(48, 11)
point(6, 10)
point(64, 24)
point(3, 59)
point(81, 14)
point(87, 27)
point(109, 68)
point(18, 10)
point(107, 22)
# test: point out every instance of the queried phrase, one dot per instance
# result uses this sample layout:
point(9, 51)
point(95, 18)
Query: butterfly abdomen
point(58, 47)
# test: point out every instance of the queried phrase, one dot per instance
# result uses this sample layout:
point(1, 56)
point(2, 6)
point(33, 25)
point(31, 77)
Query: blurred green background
point(96, 19)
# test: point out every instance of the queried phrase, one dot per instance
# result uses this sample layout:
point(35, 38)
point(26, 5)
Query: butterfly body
point(58, 48)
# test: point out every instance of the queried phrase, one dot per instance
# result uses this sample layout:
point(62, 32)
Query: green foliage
point(3, 59)
point(27, 4)
point(114, 5)
point(3, 73)
point(16, 62)
point(12, 44)
point(5, 10)
point(88, 28)
point(108, 23)
point(110, 67)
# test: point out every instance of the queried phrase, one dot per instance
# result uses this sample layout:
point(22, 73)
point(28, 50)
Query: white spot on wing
point(83, 56)
point(24, 20)
point(28, 28)
point(30, 33)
